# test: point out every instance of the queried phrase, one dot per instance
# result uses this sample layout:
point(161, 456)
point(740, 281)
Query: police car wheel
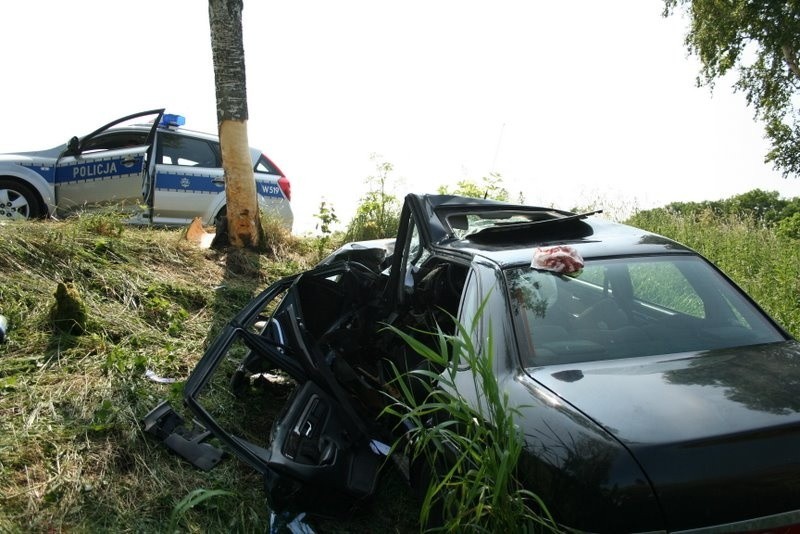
point(18, 201)
point(221, 220)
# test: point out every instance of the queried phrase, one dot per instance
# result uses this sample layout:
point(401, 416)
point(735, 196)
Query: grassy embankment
point(73, 456)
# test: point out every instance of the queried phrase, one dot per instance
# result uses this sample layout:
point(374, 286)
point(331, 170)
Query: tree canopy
point(762, 206)
point(759, 40)
point(766, 208)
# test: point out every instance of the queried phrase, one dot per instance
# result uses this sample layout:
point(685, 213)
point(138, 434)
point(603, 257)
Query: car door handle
point(218, 181)
point(128, 161)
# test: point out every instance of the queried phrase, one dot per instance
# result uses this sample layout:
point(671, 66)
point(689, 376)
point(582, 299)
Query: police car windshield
point(114, 141)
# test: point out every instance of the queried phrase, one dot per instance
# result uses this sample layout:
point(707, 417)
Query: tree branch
point(788, 55)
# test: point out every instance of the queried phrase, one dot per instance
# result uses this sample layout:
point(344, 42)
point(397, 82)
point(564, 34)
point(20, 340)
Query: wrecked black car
point(654, 394)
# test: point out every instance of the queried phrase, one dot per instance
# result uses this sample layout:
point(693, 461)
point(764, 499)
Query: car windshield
point(636, 306)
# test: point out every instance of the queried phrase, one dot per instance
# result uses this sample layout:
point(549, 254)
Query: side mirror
point(74, 147)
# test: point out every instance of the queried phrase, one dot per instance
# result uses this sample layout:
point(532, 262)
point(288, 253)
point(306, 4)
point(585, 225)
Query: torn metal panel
point(188, 442)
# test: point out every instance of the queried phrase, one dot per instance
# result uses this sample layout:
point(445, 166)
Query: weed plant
point(378, 213)
point(470, 449)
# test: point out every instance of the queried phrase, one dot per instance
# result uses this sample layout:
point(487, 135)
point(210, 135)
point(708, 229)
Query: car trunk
point(715, 432)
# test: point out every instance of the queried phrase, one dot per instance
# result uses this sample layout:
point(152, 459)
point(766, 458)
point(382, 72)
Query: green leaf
point(191, 500)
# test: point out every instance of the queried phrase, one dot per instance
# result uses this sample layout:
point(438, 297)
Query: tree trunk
point(225, 18)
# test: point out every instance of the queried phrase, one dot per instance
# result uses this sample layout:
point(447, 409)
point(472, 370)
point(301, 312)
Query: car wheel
point(18, 201)
point(220, 221)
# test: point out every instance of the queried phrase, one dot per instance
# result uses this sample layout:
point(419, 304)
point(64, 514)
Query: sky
point(575, 104)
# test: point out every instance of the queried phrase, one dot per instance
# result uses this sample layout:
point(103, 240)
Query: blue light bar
point(172, 121)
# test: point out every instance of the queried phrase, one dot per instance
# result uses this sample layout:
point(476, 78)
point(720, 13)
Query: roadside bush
point(789, 227)
point(277, 240)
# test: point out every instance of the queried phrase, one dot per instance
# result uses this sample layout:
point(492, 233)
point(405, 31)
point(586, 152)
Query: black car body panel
point(717, 433)
point(621, 434)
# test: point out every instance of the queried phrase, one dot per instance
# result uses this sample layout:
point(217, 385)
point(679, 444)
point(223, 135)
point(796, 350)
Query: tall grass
point(470, 449)
point(764, 264)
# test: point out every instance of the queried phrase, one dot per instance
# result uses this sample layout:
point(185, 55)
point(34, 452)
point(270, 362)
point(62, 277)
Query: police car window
point(114, 141)
point(265, 165)
point(186, 151)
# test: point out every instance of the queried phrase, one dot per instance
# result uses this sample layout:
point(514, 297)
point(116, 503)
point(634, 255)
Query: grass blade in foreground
point(471, 452)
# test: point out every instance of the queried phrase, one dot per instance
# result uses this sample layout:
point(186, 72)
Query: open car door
point(109, 166)
point(320, 456)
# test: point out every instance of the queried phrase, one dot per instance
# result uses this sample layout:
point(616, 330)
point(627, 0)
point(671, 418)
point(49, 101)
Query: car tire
point(18, 201)
point(221, 219)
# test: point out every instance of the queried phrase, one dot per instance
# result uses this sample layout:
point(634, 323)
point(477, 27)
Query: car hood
point(716, 432)
point(17, 157)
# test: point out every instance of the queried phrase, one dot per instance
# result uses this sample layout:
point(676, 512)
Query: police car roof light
point(172, 121)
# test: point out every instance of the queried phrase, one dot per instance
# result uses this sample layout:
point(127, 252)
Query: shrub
point(789, 227)
point(378, 214)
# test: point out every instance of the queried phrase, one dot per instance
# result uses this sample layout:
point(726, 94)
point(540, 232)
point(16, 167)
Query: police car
point(145, 164)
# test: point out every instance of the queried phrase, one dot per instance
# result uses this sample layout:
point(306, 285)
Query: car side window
point(662, 284)
point(114, 141)
point(186, 151)
point(413, 256)
point(470, 304)
point(265, 165)
point(628, 307)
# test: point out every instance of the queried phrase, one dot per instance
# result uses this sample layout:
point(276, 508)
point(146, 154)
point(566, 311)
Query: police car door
point(110, 166)
point(189, 178)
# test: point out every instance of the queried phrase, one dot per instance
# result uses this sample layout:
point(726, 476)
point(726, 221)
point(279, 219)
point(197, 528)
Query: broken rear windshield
point(490, 221)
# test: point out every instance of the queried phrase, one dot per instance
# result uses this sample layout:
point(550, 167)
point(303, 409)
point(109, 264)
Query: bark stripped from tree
point(225, 18)
point(788, 54)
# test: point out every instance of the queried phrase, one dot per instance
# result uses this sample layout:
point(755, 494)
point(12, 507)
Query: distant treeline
point(761, 207)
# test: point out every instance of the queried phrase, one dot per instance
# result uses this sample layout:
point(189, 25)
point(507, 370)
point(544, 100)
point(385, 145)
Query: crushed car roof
point(508, 233)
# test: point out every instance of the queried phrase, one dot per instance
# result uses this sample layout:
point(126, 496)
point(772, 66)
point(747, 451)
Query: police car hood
point(50, 153)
